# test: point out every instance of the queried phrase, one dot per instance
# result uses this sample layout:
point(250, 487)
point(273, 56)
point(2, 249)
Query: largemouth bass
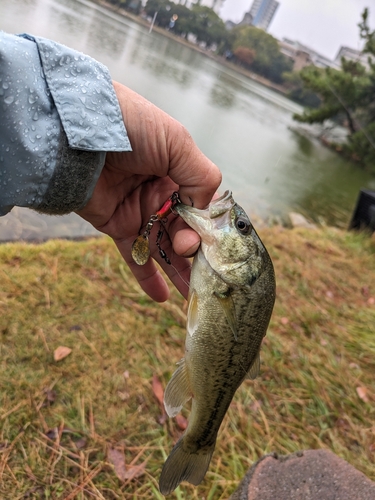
point(231, 297)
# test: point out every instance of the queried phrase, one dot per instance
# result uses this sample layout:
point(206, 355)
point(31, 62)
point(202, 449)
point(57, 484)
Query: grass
point(59, 420)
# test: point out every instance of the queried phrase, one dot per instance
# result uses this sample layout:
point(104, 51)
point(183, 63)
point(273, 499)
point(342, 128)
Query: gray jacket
point(59, 115)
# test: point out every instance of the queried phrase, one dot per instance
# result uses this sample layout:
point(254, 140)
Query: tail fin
point(184, 466)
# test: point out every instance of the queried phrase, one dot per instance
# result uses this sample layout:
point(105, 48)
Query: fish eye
point(242, 225)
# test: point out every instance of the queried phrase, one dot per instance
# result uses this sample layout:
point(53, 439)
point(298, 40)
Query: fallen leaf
point(50, 395)
point(80, 443)
point(117, 459)
point(158, 390)
point(52, 433)
point(284, 321)
point(181, 422)
point(362, 393)
point(61, 352)
point(135, 471)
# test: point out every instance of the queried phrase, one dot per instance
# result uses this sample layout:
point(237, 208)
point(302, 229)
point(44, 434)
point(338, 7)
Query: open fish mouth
point(205, 222)
point(221, 205)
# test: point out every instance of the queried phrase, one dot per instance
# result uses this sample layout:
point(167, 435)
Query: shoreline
point(219, 59)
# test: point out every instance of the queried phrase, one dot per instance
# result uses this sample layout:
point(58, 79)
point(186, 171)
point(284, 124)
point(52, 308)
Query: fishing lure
point(141, 245)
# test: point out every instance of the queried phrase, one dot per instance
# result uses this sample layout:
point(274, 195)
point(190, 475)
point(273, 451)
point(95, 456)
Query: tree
point(340, 91)
point(244, 55)
point(163, 10)
point(207, 25)
point(347, 97)
point(268, 61)
point(184, 21)
point(293, 82)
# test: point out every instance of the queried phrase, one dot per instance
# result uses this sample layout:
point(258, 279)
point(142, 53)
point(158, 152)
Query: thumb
point(197, 176)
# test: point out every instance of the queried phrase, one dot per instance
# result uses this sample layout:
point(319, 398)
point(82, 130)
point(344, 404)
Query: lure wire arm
point(141, 244)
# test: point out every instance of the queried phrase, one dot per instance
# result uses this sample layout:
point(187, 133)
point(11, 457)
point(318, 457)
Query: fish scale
point(231, 297)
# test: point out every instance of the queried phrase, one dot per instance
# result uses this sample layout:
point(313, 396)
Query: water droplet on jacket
point(83, 91)
point(32, 99)
point(64, 60)
point(5, 85)
point(9, 99)
point(35, 116)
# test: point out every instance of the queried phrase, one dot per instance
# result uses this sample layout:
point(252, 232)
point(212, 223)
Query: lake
point(241, 125)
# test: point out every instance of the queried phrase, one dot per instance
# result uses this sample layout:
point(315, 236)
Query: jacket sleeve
point(59, 115)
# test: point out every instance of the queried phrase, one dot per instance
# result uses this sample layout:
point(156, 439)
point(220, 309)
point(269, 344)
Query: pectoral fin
point(177, 391)
point(226, 302)
point(192, 315)
point(254, 368)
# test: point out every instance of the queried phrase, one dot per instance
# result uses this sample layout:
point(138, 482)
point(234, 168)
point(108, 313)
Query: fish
point(231, 297)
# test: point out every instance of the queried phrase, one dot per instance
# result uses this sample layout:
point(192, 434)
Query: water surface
point(241, 125)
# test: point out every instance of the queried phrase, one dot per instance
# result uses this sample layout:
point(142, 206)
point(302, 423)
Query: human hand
point(134, 185)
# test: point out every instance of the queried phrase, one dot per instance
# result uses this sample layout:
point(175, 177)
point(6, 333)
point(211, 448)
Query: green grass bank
point(90, 425)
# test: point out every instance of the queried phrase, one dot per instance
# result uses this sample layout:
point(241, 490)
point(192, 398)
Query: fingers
point(186, 242)
point(149, 276)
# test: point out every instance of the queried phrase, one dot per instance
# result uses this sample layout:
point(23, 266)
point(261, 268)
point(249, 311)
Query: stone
point(298, 220)
point(305, 475)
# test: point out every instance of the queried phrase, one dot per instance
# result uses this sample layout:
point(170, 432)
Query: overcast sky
point(323, 25)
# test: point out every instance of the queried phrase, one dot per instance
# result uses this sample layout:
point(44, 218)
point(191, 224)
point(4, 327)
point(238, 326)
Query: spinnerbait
point(141, 245)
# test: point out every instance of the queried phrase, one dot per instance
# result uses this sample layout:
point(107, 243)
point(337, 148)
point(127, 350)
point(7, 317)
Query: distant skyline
point(323, 25)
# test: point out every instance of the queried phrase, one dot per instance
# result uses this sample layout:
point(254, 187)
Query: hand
point(134, 185)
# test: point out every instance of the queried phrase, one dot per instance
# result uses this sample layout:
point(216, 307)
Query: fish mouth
point(204, 221)
point(221, 205)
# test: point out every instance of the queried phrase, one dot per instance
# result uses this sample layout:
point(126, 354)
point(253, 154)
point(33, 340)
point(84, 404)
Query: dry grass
point(58, 420)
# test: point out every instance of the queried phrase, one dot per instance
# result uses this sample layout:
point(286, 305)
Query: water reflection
point(105, 41)
point(305, 145)
point(221, 96)
point(163, 59)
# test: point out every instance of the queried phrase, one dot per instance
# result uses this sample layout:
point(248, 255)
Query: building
point(353, 55)
point(262, 13)
point(302, 56)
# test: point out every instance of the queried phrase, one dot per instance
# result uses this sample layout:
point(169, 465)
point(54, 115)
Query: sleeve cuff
point(73, 180)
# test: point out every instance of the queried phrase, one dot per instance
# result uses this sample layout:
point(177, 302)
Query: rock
point(298, 220)
point(307, 475)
